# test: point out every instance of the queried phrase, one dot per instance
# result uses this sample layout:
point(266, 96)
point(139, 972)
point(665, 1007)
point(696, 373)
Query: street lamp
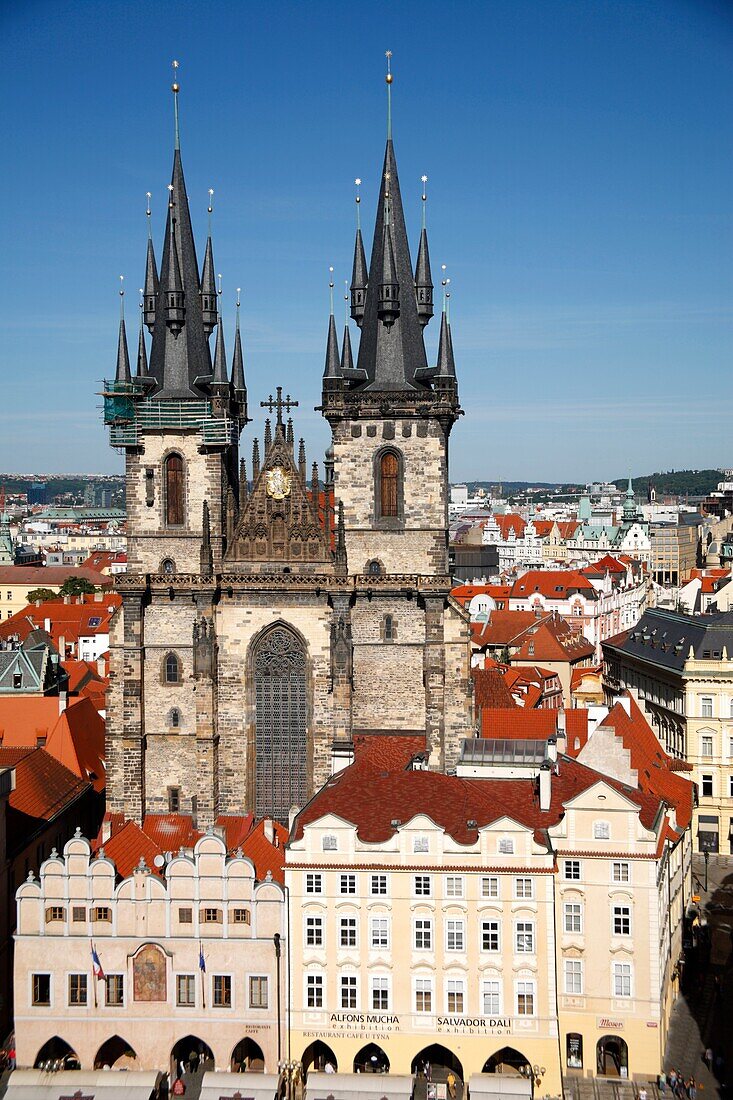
point(276, 941)
point(534, 1073)
point(706, 855)
point(289, 1075)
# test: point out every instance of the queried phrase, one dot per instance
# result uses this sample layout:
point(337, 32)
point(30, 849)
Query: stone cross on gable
point(279, 403)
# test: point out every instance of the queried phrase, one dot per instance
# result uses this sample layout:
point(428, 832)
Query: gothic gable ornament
point(277, 482)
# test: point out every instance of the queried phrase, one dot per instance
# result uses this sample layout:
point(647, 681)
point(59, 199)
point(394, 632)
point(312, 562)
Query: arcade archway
point(115, 1053)
point(612, 1056)
point(57, 1054)
point(317, 1056)
point(191, 1055)
point(507, 1060)
point(248, 1057)
point(371, 1059)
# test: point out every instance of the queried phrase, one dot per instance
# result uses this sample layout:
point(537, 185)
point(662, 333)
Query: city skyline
point(586, 245)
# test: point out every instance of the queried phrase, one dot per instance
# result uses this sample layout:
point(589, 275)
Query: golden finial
point(175, 86)
point(219, 278)
point(330, 287)
point(122, 296)
point(170, 196)
point(388, 77)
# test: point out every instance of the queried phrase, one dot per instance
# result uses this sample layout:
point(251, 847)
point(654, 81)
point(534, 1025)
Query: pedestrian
point(661, 1084)
point(11, 1056)
point(451, 1083)
point(709, 1058)
point(643, 1093)
point(672, 1080)
point(692, 1089)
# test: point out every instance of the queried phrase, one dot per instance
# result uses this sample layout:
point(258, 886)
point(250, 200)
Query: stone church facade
point(272, 614)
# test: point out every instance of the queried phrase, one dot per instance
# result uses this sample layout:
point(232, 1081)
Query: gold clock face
point(277, 482)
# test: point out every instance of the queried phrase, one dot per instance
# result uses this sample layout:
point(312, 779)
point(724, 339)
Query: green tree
point(76, 586)
point(41, 594)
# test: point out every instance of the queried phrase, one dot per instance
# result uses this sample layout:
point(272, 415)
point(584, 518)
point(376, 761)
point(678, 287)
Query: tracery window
point(173, 469)
point(281, 720)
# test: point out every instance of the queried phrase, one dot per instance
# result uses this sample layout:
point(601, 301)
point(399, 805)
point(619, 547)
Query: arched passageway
point(612, 1056)
point(248, 1057)
point(436, 1065)
point(317, 1056)
point(507, 1060)
point(190, 1058)
point(371, 1059)
point(115, 1053)
point(57, 1054)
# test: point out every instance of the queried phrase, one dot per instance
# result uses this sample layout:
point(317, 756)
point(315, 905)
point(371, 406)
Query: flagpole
point(94, 977)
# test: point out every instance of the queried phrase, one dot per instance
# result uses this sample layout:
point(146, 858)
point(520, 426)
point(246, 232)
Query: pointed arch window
point(388, 478)
point(172, 669)
point(173, 480)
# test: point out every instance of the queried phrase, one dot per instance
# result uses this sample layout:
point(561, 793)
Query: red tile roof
point(83, 616)
point(502, 628)
point(464, 593)
point(50, 576)
point(651, 762)
point(171, 832)
point(579, 673)
point(490, 688)
point(43, 786)
point(518, 723)
point(75, 737)
point(553, 584)
point(606, 564)
point(373, 800)
point(388, 751)
point(510, 523)
point(127, 845)
point(551, 639)
point(266, 855)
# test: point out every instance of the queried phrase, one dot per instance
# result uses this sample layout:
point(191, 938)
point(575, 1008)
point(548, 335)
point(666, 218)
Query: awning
point(487, 1086)
point(37, 1084)
point(357, 1086)
point(248, 1086)
point(707, 824)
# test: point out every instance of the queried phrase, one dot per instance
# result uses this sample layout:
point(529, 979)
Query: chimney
point(269, 829)
point(46, 624)
point(67, 599)
point(106, 830)
point(294, 811)
point(552, 749)
point(101, 666)
point(98, 597)
point(62, 701)
point(545, 786)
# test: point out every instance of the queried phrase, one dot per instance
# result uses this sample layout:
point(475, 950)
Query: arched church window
point(167, 565)
point(173, 480)
point(389, 631)
point(172, 669)
point(281, 723)
point(374, 568)
point(389, 485)
point(174, 718)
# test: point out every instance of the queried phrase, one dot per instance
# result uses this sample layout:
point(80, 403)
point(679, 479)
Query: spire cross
point(279, 403)
point(175, 86)
point(388, 78)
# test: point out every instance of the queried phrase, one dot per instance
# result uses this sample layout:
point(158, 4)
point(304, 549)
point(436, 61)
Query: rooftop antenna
point(389, 79)
point(175, 88)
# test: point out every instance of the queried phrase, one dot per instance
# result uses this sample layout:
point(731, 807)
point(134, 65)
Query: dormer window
point(330, 843)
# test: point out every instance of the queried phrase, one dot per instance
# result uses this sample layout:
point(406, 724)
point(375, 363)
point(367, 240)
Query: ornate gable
point(279, 523)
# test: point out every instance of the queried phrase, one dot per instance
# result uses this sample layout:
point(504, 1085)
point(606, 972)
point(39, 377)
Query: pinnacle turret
point(423, 281)
point(332, 368)
point(220, 379)
point(142, 351)
point(347, 359)
point(150, 293)
point(446, 362)
point(208, 290)
point(174, 295)
point(240, 388)
point(123, 357)
point(359, 280)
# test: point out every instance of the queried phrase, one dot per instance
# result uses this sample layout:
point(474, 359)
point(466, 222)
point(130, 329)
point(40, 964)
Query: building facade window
point(240, 916)
point(491, 998)
point(490, 935)
point(706, 744)
point(313, 883)
point(573, 977)
point(41, 989)
point(185, 915)
point(314, 931)
point(186, 990)
point(77, 989)
point(506, 846)
point(422, 886)
point(378, 885)
point(454, 996)
point(571, 870)
point(707, 786)
point(622, 979)
point(601, 830)
point(174, 493)
point(348, 991)
point(388, 488)
point(347, 884)
point(314, 991)
point(524, 937)
point(620, 871)
point(621, 920)
point(573, 916)
point(379, 933)
point(423, 934)
point(523, 888)
point(454, 886)
point(380, 994)
point(423, 995)
point(258, 991)
point(421, 844)
point(489, 886)
point(525, 998)
point(174, 800)
point(347, 932)
point(172, 669)
point(706, 706)
point(455, 936)
point(222, 991)
point(114, 989)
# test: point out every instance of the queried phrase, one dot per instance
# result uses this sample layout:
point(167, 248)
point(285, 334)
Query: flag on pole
point(96, 965)
point(202, 960)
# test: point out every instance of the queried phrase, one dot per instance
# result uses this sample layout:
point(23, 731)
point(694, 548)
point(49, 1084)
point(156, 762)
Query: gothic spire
point(208, 282)
point(180, 355)
point(359, 272)
point(142, 351)
point(243, 487)
point(238, 363)
point(446, 363)
point(220, 380)
point(123, 358)
point(150, 292)
point(332, 368)
point(391, 349)
point(347, 359)
point(340, 555)
point(423, 276)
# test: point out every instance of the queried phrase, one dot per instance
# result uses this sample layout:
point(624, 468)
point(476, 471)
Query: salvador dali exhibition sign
point(349, 1022)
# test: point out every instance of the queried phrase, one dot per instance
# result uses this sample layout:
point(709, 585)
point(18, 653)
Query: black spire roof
point(358, 280)
point(446, 362)
point(179, 359)
point(151, 286)
point(142, 352)
point(238, 382)
point(208, 290)
point(424, 280)
point(220, 380)
point(347, 359)
point(391, 351)
point(332, 368)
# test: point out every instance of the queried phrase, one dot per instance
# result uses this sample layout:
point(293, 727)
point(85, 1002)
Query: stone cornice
point(361, 584)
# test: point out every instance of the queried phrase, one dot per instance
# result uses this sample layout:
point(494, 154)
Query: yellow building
point(16, 581)
point(485, 924)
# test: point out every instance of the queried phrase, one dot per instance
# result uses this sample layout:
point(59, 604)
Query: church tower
point(391, 418)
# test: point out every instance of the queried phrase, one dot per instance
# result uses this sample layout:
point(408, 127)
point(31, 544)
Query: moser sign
point(607, 1024)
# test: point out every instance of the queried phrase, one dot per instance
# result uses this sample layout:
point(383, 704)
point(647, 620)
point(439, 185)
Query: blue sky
point(580, 191)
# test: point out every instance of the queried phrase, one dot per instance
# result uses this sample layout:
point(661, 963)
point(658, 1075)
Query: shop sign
point(606, 1024)
point(474, 1025)
point(380, 1022)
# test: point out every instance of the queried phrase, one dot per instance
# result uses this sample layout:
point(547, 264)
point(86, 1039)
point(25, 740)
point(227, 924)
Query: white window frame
point(458, 990)
point(259, 977)
point(496, 929)
point(426, 927)
point(455, 928)
point(232, 989)
point(313, 883)
point(185, 974)
point(454, 886)
point(572, 914)
point(420, 844)
point(573, 975)
point(623, 912)
point(494, 991)
point(314, 923)
point(619, 869)
point(385, 986)
point(574, 865)
point(317, 978)
point(707, 705)
point(117, 1004)
point(75, 974)
point(349, 924)
point(525, 987)
point(378, 880)
point(383, 933)
point(329, 843)
point(422, 880)
point(602, 830)
point(427, 987)
point(353, 986)
point(490, 883)
point(505, 846)
point(41, 974)
point(521, 884)
point(532, 933)
point(348, 881)
point(616, 973)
